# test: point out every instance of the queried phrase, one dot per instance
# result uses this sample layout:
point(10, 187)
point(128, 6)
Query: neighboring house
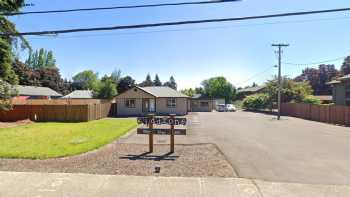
point(160, 100)
point(341, 90)
point(242, 93)
point(325, 99)
point(201, 103)
point(33, 92)
point(79, 94)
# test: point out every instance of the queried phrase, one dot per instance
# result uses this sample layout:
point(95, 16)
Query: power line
point(117, 7)
point(315, 63)
point(192, 29)
point(255, 75)
point(140, 26)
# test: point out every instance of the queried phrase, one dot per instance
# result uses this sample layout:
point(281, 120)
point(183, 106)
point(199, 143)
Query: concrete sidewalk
point(75, 185)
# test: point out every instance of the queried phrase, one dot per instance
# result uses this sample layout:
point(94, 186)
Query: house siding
point(163, 109)
point(138, 95)
point(339, 94)
point(212, 105)
point(196, 106)
point(160, 104)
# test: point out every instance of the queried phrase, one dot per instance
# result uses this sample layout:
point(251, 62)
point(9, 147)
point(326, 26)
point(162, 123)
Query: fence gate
point(113, 112)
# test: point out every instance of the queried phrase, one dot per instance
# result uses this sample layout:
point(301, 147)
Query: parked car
point(221, 108)
point(230, 108)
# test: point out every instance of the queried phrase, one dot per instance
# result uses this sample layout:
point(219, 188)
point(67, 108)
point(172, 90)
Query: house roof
point(345, 77)
point(80, 94)
point(36, 91)
point(251, 89)
point(333, 82)
point(202, 97)
point(163, 91)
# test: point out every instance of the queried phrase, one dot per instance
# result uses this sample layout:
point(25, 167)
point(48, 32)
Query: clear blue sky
point(192, 53)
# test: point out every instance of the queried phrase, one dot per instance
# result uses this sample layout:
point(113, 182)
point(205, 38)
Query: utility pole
point(279, 76)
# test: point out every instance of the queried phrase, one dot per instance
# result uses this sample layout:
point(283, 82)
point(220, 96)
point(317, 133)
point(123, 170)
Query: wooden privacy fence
point(332, 114)
point(57, 112)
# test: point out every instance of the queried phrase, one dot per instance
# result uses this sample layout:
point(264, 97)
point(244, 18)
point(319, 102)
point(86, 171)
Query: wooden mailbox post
point(151, 120)
point(150, 135)
point(172, 133)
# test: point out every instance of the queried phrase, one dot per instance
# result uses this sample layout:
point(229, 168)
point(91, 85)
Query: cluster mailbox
point(150, 121)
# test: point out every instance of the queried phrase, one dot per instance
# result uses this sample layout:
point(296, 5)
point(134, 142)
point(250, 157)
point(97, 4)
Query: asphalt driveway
point(260, 147)
point(291, 150)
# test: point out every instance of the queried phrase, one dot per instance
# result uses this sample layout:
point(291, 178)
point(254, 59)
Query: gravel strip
point(14, 124)
point(203, 160)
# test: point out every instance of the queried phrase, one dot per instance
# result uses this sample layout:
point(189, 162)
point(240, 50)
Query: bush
point(256, 102)
point(238, 104)
point(312, 100)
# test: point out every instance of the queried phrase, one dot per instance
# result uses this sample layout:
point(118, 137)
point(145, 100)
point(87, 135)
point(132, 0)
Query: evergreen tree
point(171, 83)
point(50, 60)
point(6, 26)
point(116, 76)
point(7, 74)
point(41, 59)
point(7, 43)
point(148, 82)
point(6, 92)
point(157, 81)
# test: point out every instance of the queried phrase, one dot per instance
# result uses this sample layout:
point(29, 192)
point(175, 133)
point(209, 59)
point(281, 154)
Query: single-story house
point(79, 94)
point(341, 90)
point(159, 100)
point(202, 103)
point(242, 93)
point(33, 92)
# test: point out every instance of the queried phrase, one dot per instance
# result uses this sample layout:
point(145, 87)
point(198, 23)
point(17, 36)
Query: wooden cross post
point(172, 133)
point(150, 136)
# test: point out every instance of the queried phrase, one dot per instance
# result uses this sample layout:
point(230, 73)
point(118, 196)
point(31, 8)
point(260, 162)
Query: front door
point(152, 105)
point(148, 105)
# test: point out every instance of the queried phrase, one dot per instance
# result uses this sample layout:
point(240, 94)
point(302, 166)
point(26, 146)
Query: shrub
point(312, 100)
point(238, 103)
point(256, 102)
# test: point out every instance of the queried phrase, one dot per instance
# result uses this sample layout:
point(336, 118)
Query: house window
point(204, 104)
point(171, 103)
point(130, 103)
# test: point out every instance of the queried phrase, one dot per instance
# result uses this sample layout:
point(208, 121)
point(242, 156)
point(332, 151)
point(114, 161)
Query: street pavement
point(27, 184)
point(260, 147)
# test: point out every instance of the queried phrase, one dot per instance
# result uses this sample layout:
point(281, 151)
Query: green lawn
point(49, 140)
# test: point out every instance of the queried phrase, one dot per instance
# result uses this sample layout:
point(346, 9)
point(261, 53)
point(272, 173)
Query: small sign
point(161, 131)
point(162, 121)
